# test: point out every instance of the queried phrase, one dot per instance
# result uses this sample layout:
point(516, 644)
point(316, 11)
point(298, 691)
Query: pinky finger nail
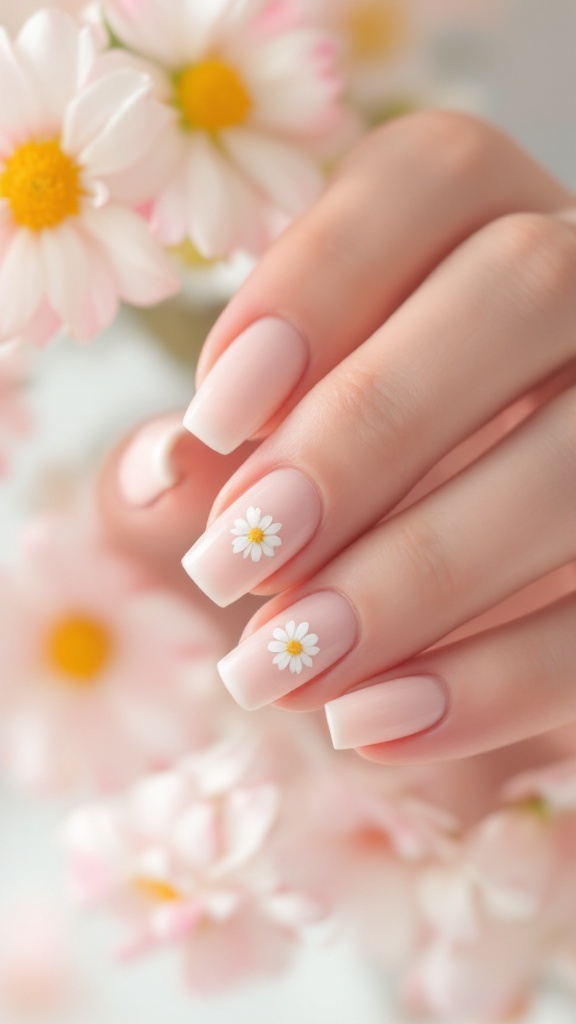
point(146, 470)
point(387, 711)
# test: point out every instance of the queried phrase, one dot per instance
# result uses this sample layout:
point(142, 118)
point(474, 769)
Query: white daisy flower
point(250, 106)
point(293, 646)
point(71, 125)
point(255, 535)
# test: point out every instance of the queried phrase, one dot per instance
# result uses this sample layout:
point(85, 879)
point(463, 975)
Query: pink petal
point(50, 48)
point(144, 275)
point(131, 133)
point(21, 283)
point(289, 179)
point(66, 273)
point(89, 115)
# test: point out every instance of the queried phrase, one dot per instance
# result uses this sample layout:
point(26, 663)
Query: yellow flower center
point(79, 648)
point(376, 29)
point(256, 535)
point(154, 889)
point(212, 96)
point(42, 185)
point(294, 648)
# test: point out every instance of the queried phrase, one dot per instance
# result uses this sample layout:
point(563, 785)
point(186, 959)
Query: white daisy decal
point(255, 535)
point(293, 646)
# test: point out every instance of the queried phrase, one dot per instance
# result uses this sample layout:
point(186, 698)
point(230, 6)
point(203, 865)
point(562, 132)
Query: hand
point(409, 349)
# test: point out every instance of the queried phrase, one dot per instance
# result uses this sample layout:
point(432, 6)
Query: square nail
point(290, 650)
point(386, 711)
point(250, 381)
point(260, 532)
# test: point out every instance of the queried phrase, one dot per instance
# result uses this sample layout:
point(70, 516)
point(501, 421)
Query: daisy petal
point(301, 631)
point(290, 628)
point(143, 273)
point(248, 549)
point(306, 660)
point(281, 634)
point(242, 526)
point(45, 34)
point(88, 115)
point(66, 273)
point(256, 552)
point(21, 112)
point(265, 522)
point(274, 528)
point(240, 544)
point(312, 650)
point(267, 549)
point(21, 283)
point(253, 516)
point(276, 645)
point(296, 665)
point(282, 660)
point(310, 639)
point(272, 541)
point(289, 178)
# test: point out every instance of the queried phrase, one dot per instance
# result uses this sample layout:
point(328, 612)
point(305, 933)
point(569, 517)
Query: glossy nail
point(146, 469)
point(260, 532)
point(386, 711)
point(250, 381)
point(290, 650)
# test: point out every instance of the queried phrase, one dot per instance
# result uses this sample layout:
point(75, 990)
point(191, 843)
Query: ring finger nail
point(255, 536)
point(294, 647)
point(386, 711)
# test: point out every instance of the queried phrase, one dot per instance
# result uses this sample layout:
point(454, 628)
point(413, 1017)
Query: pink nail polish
point(250, 381)
point(290, 650)
point(146, 469)
point(386, 711)
point(260, 532)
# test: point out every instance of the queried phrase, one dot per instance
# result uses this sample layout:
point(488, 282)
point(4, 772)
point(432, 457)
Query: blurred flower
point(102, 678)
point(15, 416)
point(37, 974)
point(69, 124)
point(13, 13)
point(186, 858)
point(249, 102)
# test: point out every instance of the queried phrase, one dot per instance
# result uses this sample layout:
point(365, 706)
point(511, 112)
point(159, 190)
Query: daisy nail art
point(214, 563)
point(294, 646)
point(256, 535)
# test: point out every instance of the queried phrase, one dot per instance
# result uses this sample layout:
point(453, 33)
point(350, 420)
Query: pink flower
point(71, 123)
point(15, 416)
point(250, 103)
point(187, 858)
point(102, 678)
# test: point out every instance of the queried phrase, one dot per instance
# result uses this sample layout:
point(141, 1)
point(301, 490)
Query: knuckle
point(380, 411)
point(427, 557)
point(455, 144)
point(538, 254)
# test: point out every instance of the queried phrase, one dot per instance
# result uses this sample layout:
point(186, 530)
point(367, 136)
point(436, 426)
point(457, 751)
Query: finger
point(379, 230)
point(507, 520)
point(497, 688)
point(156, 488)
point(462, 348)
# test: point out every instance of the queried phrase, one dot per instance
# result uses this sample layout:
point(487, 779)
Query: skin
point(437, 417)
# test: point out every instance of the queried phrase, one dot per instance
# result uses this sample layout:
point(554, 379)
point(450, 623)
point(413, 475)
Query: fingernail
point(146, 469)
point(387, 711)
point(250, 381)
point(290, 650)
point(260, 532)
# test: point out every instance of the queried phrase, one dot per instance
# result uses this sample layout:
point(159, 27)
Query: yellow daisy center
point(78, 648)
point(294, 648)
point(256, 535)
point(154, 889)
point(212, 96)
point(42, 185)
point(376, 29)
